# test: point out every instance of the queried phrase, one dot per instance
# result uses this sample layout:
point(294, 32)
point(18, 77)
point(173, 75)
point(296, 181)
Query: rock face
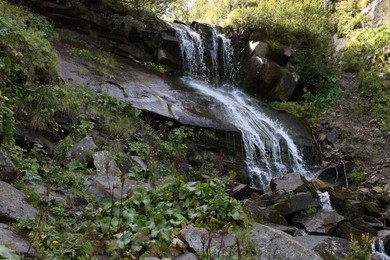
point(332, 248)
point(288, 183)
point(298, 202)
point(8, 171)
point(80, 152)
point(19, 244)
point(274, 244)
point(13, 207)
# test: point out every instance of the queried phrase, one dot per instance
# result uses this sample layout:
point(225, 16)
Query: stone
point(321, 222)
point(13, 206)
point(293, 231)
point(377, 189)
point(263, 214)
point(270, 243)
point(241, 191)
point(354, 228)
point(328, 247)
point(335, 176)
point(80, 152)
point(258, 48)
point(187, 256)
point(19, 244)
point(201, 241)
point(371, 209)
point(331, 137)
point(8, 171)
point(298, 202)
point(286, 86)
point(105, 164)
point(291, 182)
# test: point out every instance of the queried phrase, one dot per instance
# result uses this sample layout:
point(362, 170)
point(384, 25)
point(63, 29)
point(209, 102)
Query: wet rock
point(201, 241)
point(354, 228)
point(292, 182)
point(274, 244)
point(321, 222)
point(263, 214)
point(8, 171)
point(187, 256)
point(13, 206)
point(82, 150)
point(332, 248)
point(19, 244)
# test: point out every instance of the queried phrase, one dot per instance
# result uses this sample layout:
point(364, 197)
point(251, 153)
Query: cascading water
point(324, 200)
point(269, 150)
point(378, 250)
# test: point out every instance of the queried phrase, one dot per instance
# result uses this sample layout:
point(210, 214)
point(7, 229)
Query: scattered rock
point(331, 137)
point(8, 171)
point(321, 222)
point(80, 152)
point(377, 190)
point(19, 244)
point(13, 207)
point(274, 244)
point(332, 248)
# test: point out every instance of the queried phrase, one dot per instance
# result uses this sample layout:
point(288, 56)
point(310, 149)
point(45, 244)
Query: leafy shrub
point(355, 179)
point(148, 219)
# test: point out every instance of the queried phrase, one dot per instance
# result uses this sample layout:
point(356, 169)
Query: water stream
point(378, 250)
point(269, 149)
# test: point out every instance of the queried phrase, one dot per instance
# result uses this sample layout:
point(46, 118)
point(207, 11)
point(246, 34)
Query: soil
point(349, 134)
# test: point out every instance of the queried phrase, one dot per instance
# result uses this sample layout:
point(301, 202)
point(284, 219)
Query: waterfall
point(269, 150)
point(378, 252)
point(324, 200)
point(192, 50)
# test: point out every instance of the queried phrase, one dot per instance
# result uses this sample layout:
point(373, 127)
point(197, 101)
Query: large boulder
point(321, 222)
point(332, 248)
point(295, 204)
point(19, 244)
point(263, 214)
point(201, 241)
point(82, 150)
point(274, 244)
point(354, 228)
point(8, 171)
point(13, 206)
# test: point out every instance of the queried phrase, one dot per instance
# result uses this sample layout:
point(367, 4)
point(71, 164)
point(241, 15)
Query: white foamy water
point(324, 200)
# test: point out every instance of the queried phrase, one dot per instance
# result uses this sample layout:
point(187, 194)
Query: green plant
point(309, 211)
point(7, 253)
point(355, 178)
point(361, 248)
point(148, 219)
point(154, 66)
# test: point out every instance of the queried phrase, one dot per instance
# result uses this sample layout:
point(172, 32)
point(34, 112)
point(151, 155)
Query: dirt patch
point(349, 134)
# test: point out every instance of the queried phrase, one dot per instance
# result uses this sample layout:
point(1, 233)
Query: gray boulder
point(201, 241)
point(321, 222)
point(274, 244)
point(19, 244)
point(263, 214)
point(80, 152)
point(332, 248)
point(107, 180)
point(295, 204)
point(293, 231)
point(8, 171)
point(292, 182)
point(13, 207)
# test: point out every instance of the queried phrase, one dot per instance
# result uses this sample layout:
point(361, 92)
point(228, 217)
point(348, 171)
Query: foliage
point(361, 247)
point(355, 179)
point(154, 66)
point(309, 211)
point(7, 253)
point(7, 123)
point(149, 219)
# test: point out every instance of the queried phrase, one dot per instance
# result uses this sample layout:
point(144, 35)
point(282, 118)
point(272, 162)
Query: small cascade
point(192, 50)
point(324, 200)
point(378, 250)
point(269, 150)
